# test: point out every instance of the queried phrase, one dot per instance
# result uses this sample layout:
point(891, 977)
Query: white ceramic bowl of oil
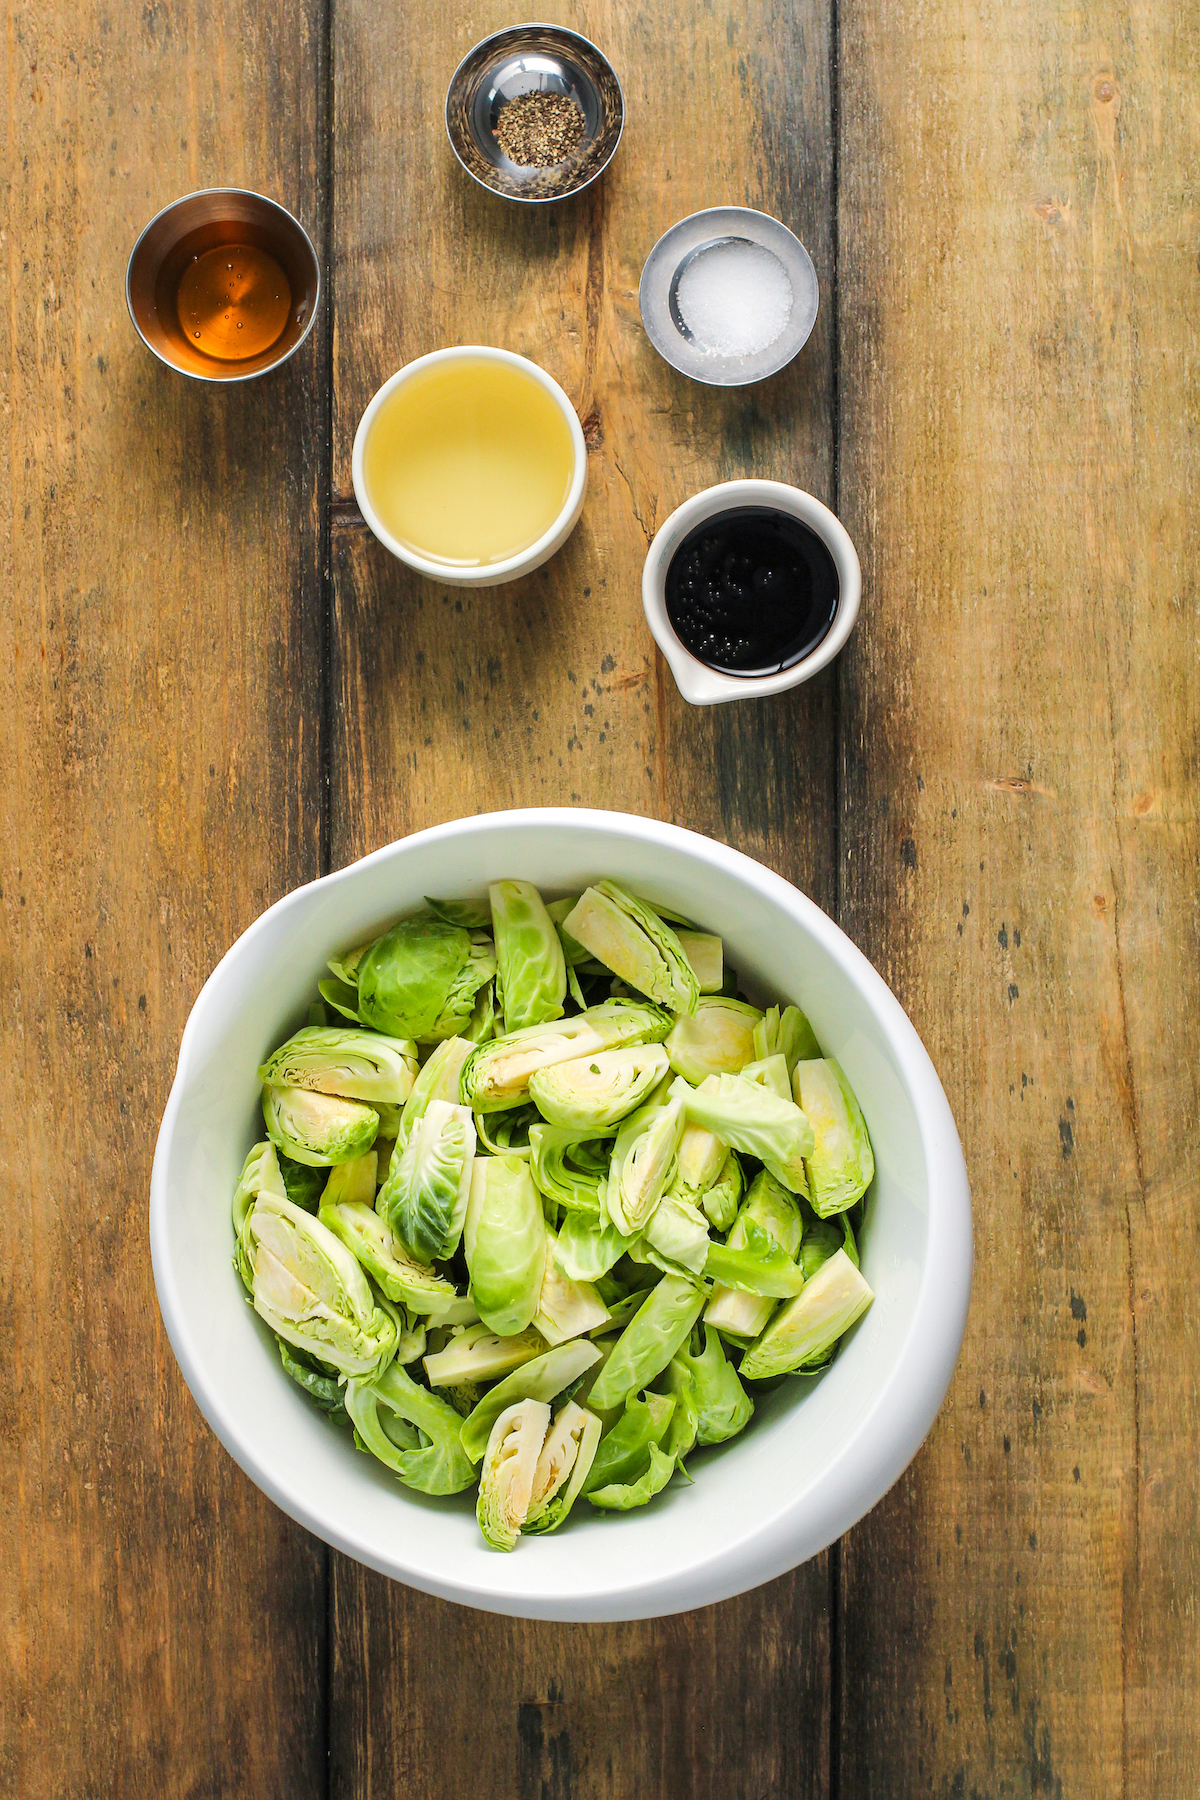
point(818, 1453)
point(470, 466)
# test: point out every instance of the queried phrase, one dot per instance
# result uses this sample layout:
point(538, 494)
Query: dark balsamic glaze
point(751, 591)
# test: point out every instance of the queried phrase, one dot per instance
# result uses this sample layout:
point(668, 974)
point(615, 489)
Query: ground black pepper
point(538, 131)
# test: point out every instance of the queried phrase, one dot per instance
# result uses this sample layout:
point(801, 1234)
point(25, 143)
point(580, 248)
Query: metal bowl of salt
point(728, 296)
point(535, 113)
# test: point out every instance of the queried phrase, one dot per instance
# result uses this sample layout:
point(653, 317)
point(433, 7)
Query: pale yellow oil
point(469, 462)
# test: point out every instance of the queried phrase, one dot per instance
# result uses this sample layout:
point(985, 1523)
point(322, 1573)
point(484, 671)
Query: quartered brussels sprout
point(354, 1180)
point(805, 1330)
point(556, 1171)
point(650, 1340)
point(566, 1308)
point(841, 1164)
point(751, 1118)
point(477, 1354)
point(771, 1209)
point(771, 1072)
point(509, 1466)
point(310, 1290)
point(332, 1059)
point(644, 1161)
point(624, 934)
point(723, 1407)
point(505, 1242)
point(787, 1034)
point(704, 953)
point(544, 1378)
point(413, 1432)
point(623, 1497)
point(533, 970)
point(624, 1451)
point(497, 1075)
point(722, 1199)
point(678, 1232)
point(438, 1080)
point(701, 1159)
point(318, 1129)
point(387, 1260)
point(596, 1092)
point(563, 1466)
point(424, 1198)
point(586, 1248)
point(718, 1040)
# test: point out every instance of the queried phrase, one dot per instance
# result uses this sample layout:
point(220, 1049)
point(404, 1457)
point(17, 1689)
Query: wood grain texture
point(1018, 330)
point(550, 690)
point(161, 1624)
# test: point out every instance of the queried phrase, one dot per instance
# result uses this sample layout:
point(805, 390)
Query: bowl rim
point(511, 31)
point(488, 574)
point(698, 683)
point(900, 1413)
point(198, 374)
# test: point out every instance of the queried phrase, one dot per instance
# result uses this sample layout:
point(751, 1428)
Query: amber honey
point(233, 301)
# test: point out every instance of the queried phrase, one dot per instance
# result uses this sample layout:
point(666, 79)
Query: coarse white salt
point(735, 298)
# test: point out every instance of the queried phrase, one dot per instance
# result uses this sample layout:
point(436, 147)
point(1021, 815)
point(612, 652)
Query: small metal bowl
point(658, 294)
point(529, 59)
point(186, 229)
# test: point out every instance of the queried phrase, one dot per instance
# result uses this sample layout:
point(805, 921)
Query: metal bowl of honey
point(535, 113)
point(223, 285)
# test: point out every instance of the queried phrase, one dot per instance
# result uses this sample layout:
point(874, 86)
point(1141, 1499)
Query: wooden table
point(216, 685)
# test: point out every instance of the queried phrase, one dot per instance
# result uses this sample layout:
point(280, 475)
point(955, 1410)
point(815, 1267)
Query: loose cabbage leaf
point(622, 1498)
point(438, 1463)
point(650, 1340)
point(723, 1407)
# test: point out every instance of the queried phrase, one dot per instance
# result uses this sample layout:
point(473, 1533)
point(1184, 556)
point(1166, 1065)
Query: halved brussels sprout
point(472, 915)
point(598, 1091)
point(555, 1169)
point(470, 1009)
point(758, 1266)
point(587, 1248)
point(563, 1467)
point(718, 1040)
point(770, 1207)
point(505, 1242)
point(477, 1354)
point(438, 1080)
point(751, 1118)
point(353, 1180)
point(260, 1175)
point(650, 1340)
point(429, 1456)
point(533, 970)
point(318, 1129)
point(723, 1407)
point(424, 1198)
point(566, 1308)
point(722, 1199)
point(624, 1452)
point(678, 1231)
point(624, 934)
point(386, 1258)
point(333, 1059)
point(788, 1034)
point(310, 1290)
point(841, 1164)
point(770, 1072)
point(509, 1465)
point(497, 1074)
point(644, 1160)
point(622, 1497)
point(543, 1378)
point(704, 953)
point(405, 978)
point(806, 1329)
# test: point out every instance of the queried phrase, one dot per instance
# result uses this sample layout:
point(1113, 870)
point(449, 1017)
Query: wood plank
point(162, 1624)
point(550, 691)
point(1018, 330)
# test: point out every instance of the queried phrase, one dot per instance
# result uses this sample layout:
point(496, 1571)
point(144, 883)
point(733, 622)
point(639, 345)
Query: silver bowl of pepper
point(535, 113)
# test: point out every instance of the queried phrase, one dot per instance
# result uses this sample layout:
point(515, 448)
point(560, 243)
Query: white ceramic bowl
point(543, 548)
point(698, 683)
point(819, 1453)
